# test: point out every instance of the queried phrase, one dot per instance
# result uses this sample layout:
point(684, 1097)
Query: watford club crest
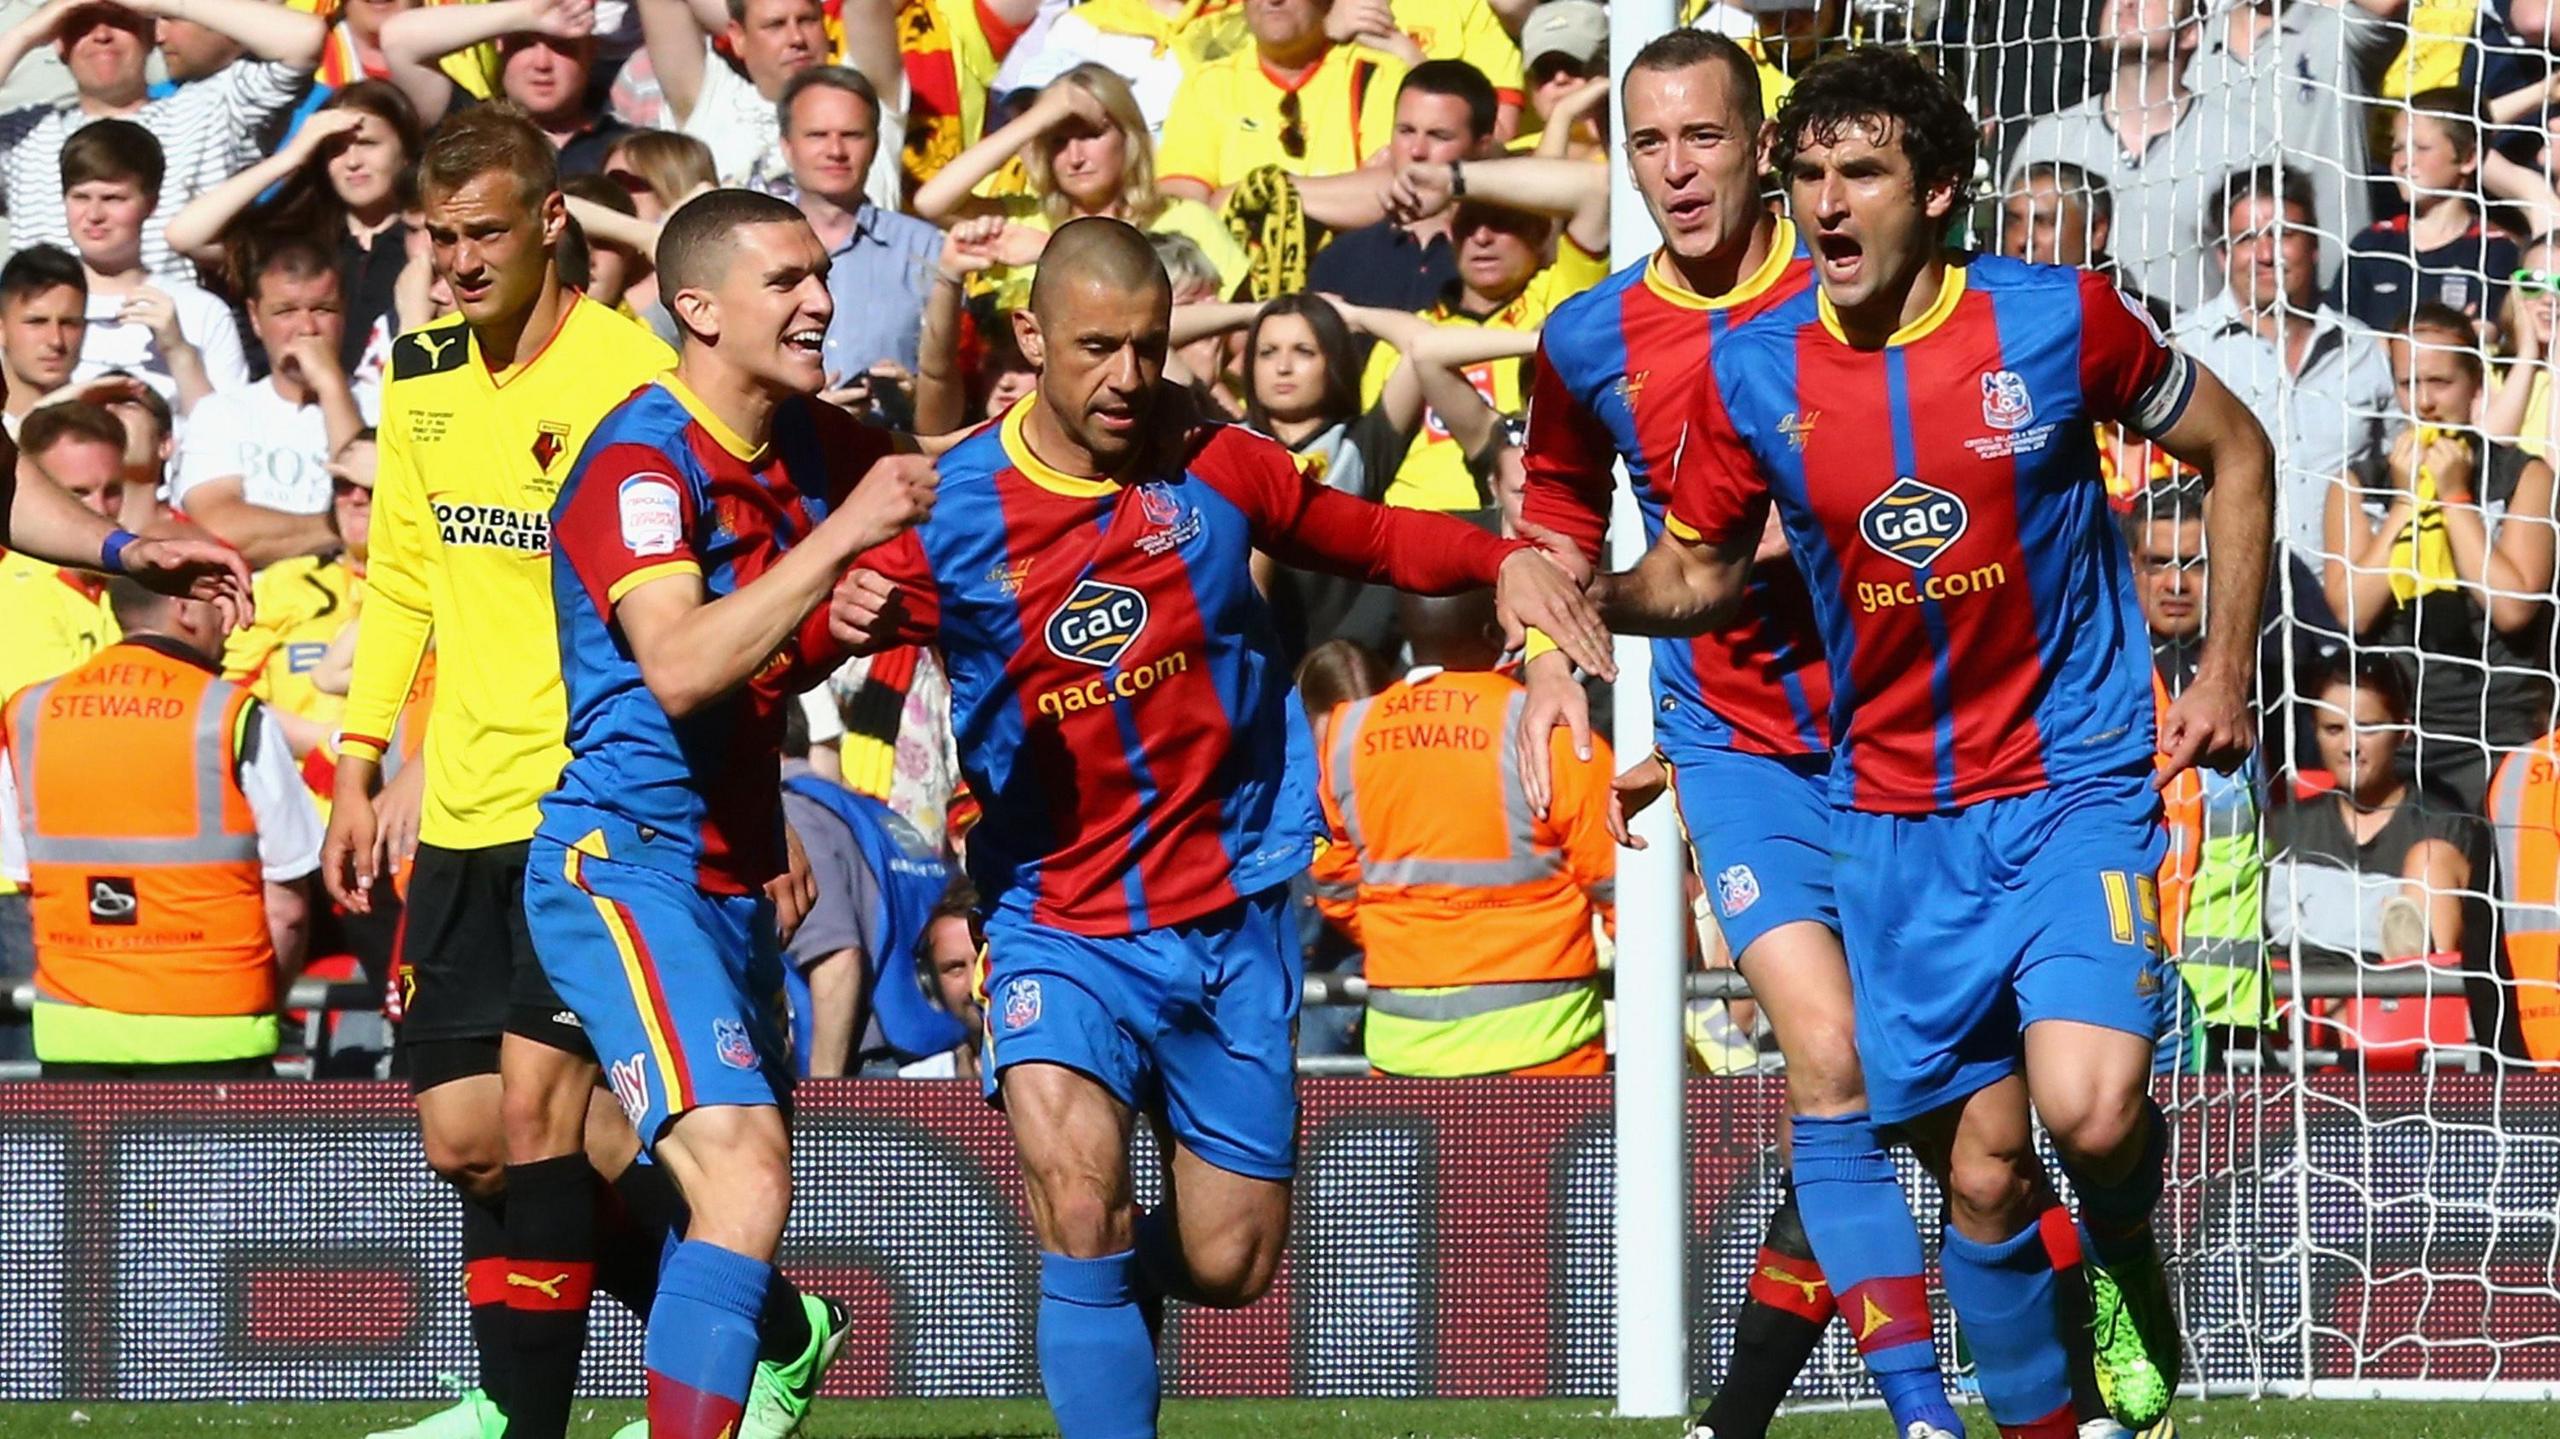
point(550, 441)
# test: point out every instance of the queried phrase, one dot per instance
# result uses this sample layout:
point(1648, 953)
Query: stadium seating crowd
point(1369, 207)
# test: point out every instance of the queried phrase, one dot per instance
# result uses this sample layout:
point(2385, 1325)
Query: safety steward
point(1476, 913)
point(155, 815)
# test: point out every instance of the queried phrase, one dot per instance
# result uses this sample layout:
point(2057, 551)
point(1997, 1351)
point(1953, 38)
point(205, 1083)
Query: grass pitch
point(1264, 1419)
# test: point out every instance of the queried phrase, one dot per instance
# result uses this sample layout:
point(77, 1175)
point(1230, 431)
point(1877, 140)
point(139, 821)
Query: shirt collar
point(173, 649)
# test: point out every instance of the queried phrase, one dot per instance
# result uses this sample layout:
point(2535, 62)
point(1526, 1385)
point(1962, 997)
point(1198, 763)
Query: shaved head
point(1111, 255)
point(701, 237)
point(1455, 632)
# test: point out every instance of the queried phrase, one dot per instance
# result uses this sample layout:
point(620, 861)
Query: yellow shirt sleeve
point(392, 629)
point(1378, 109)
point(1189, 149)
point(1483, 43)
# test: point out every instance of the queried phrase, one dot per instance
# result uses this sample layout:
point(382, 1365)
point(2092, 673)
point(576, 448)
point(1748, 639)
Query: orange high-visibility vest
point(147, 893)
point(2524, 804)
point(1476, 914)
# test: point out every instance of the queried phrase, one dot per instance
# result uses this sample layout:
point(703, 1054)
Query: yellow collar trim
point(1017, 448)
point(1950, 291)
point(728, 439)
point(1659, 277)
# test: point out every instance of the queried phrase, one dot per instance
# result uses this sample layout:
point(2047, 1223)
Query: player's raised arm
point(2211, 721)
point(693, 650)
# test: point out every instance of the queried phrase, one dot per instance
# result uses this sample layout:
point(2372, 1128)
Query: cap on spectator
point(1577, 29)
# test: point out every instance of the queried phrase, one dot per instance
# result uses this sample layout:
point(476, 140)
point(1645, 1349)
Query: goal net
point(2336, 206)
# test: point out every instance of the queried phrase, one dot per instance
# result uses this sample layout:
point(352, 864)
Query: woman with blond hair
point(1084, 150)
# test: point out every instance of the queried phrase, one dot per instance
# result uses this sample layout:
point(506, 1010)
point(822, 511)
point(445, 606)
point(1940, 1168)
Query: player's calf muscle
point(733, 1162)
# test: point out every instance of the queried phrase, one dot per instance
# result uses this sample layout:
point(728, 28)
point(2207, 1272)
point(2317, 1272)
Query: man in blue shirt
point(880, 265)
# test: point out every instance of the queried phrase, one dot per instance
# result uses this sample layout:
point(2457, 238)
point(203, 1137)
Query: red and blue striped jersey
point(1122, 707)
point(1943, 498)
point(1618, 371)
point(664, 488)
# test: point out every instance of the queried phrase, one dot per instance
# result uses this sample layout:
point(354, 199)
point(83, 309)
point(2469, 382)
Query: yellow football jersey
point(461, 548)
point(302, 605)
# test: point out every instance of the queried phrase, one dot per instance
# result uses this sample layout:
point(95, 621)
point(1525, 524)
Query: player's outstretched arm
point(2212, 721)
point(1684, 585)
point(693, 651)
point(46, 522)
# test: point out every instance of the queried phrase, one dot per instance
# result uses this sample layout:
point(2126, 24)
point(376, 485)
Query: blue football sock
point(2004, 1297)
point(1862, 1233)
point(1097, 1360)
point(701, 1349)
point(2118, 1212)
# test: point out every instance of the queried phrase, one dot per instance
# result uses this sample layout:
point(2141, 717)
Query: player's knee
point(1823, 1077)
point(1989, 1186)
point(2092, 1129)
point(1236, 1269)
point(476, 1164)
point(1079, 1216)
point(544, 1121)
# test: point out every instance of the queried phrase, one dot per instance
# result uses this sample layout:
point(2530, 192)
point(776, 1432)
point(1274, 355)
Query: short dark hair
point(2075, 182)
point(134, 607)
point(959, 900)
point(495, 135)
point(290, 256)
point(695, 245)
point(69, 420)
point(1683, 48)
point(150, 401)
point(1457, 80)
point(2281, 183)
point(2458, 112)
point(114, 150)
point(1861, 87)
point(1096, 247)
point(1337, 672)
point(39, 268)
point(2177, 501)
point(2366, 669)
point(826, 77)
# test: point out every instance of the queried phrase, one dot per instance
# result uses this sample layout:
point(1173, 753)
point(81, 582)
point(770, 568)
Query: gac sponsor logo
point(1103, 689)
point(1913, 522)
point(1097, 623)
point(1873, 596)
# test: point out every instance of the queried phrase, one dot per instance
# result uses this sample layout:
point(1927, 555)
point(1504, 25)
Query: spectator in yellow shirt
point(303, 606)
point(1504, 223)
point(58, 618)
point(1085, 147)
point(1566, 46)
point(1298, 99)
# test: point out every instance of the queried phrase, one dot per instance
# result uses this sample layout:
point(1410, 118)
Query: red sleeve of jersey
point(629, 521)
point(1718, 494)
point(2127, 370)
point(1569, 460)
point(917, 611)
point(1306, 524)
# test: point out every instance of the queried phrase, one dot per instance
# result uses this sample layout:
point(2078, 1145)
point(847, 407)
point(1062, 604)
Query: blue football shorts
point(1195, 1021)
point(1761, 827)
point(680, 990)
point(1963, 928)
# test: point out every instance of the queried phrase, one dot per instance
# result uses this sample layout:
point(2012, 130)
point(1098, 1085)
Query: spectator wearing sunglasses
point(2442, 251)
point(1297, 98)
point(2519, 408)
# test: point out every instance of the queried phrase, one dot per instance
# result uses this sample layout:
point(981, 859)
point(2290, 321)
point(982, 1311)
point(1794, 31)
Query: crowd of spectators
point(1368, 207)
